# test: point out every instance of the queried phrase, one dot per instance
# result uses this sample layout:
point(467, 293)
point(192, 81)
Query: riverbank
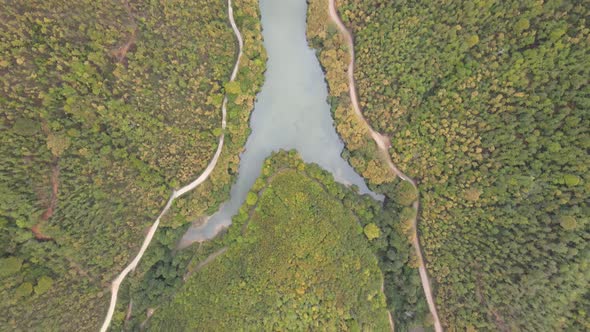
point(291, 112)
point(97, 134)
point(333, 63)
point(177, 193)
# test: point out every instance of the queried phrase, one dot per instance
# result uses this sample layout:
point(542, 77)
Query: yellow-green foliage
point(300, 264)
point(372, 231)
point(332, 53)
point(111, 105)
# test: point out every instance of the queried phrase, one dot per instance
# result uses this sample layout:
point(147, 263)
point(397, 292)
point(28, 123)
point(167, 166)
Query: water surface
point(291, 112)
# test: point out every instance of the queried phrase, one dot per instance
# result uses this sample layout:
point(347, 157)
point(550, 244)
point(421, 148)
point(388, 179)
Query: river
point(291, 112)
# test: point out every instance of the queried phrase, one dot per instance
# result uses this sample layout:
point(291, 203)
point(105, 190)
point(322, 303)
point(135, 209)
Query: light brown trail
point(384, 144)
point(177, 193)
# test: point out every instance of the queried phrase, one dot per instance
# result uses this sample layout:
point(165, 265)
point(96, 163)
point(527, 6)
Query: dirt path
point(206, 261)
point(384, 144)
point(234, 73)
point(391, 323)
point(177, 193)
point(36, 229)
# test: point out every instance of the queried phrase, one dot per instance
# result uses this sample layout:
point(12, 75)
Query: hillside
point(295, 258)
point(105, 108)
point(486, 105)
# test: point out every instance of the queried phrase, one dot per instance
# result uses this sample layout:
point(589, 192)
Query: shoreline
point(177, 193)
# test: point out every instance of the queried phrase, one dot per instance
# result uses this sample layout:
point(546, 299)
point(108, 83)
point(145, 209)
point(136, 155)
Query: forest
point(105, 107)
point(486, 104)
point(295, 258)
point(397, 258)
point(164, 268)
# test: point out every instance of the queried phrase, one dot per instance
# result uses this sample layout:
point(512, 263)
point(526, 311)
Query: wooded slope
point(105, 107)
point(487, 106)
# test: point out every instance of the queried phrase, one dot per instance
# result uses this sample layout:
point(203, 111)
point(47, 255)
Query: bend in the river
point(291, 112)
point(177, 193)
point(384, 144)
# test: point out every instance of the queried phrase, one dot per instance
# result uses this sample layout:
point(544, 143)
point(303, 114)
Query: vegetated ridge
point(164, 267)
point(104, 110)
point(297, 258)
point(366, 150)
point(177, 193)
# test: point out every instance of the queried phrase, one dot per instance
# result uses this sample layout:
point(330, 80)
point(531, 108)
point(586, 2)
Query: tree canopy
point(105, 107)
point(296, 260)
point(486, 103)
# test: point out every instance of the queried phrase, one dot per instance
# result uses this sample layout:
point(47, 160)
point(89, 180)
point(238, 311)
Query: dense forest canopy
point(105, 107)
point(164, 269)
point(397, 257)
point(487, 104)
point(295, 258)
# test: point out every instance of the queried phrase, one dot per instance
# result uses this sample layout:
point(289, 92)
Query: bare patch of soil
point(121, 52)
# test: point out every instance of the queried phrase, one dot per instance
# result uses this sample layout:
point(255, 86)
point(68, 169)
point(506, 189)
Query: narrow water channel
point(291, 112)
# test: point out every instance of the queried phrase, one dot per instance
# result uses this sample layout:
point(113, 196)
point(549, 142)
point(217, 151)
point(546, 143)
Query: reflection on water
point(291, 112)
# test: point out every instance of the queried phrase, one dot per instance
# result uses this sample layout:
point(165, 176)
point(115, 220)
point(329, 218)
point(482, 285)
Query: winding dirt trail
point(384, 144)
point(389, 316)
point(204, 263)
point(177, 193)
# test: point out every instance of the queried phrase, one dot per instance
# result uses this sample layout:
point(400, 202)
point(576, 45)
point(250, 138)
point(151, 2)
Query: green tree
point(233, 88)
point(251, 198)
point(521, 25)
point(57, 144)
point(43, 285)
point(372, 231)
point(571, 180)
point(25, 289)
point(406, 194)
point(25, 127)
point(568, 223)
point(472, 40)
point(10, 265)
